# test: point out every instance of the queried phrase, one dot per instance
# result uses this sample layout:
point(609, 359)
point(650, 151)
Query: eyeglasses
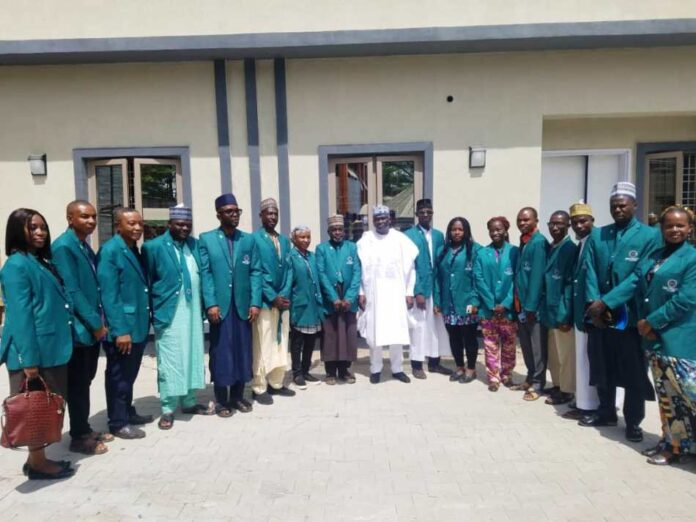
point(233, 211)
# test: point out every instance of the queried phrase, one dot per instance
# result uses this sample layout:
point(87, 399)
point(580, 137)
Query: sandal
point(531, 395)
point(166, 421)
point(223, 411)
point(199, 409)
point(558, 398)
point(493, 387)
point(88, 446)
point(507, 382)
point(523, 386)
point(103, 437)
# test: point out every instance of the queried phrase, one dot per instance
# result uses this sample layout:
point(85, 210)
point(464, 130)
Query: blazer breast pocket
point(128, 309)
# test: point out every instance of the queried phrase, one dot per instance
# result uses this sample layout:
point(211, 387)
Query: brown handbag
point(32, 418)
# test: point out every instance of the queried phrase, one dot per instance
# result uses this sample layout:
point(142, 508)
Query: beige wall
point(500, 101)
point(53, 110)
point(20, 19)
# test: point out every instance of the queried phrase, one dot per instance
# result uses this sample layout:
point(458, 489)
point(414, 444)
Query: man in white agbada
point(388, 276)
point(428, 334)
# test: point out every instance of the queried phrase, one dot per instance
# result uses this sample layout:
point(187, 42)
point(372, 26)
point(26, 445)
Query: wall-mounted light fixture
point(37, 164)
point(477, 157)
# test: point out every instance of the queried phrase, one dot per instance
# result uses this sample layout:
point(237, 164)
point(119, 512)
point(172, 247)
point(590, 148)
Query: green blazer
point(529, 273)
point(76, 264)
point(668, 302)
point(425, 266)
point(165, 276)
point(223, 274)
point(334, 259)
point(306, 305)
point(454, 280)
point(274, 267)
point(557, 307)
point(38, 315)
point(124, 291)
point(580, 300)
point(495, 277)
point(613, 256)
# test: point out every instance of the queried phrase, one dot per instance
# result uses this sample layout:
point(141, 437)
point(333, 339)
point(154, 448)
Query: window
point(671, 179)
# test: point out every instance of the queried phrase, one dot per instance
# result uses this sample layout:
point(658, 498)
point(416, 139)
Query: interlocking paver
point(430, 450)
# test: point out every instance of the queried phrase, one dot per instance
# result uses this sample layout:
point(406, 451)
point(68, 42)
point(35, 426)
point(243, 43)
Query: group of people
point(595, 313)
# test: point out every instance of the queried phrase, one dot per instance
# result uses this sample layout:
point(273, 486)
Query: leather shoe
point(440, 369)
point(654, 450)
point(263, 398)
point(576, 414)
point(634, 434)
point(375, 377)
point(136, 419)
point(663, 458)
point(419, 374)
point(283, 392)
point(347, 378)
point(242, 405)
point(595, 421)
point(129, 432)
point(401, 376)
point(64, 472)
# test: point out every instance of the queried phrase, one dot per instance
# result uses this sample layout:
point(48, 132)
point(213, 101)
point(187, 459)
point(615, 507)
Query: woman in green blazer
point(306, 306)
point(37, 338)
point(494, 271)
point(666, 300)
point(456, 298)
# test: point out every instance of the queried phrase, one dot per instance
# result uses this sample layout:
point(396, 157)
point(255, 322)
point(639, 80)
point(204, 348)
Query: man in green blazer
point(77, 265)
point(529, 289)
point(586, 401)
point(231, 274)
point(428, 336)
point(173, 269)
point(615, 353)
point(126, 301)
point(339, 276)
point(272, 328)
point(557, 308)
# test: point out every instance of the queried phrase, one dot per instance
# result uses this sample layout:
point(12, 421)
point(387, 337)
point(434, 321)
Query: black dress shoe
point(401, 376)
point(310, 378)
point(129, 432)
point(466, 379)
point(575, 414)
point(136, 419)
point(347, 377)
point(263, 398)
point(283, 392)
point(64, 472)
point(419, 374)
point(654, 450)
point(634, 434)
point(595, 421)
point(663, 458)
point(242, 406)
point(440, 369)
point(374, 378)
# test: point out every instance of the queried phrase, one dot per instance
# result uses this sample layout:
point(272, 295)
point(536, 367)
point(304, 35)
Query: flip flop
point(223, 411)
point(531, 395)
point(88, 446)
point(166, 421)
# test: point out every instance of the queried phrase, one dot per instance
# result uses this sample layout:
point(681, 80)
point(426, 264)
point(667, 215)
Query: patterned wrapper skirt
point(675, 383)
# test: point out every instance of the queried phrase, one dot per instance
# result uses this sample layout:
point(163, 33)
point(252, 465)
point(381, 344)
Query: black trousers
point(463, 338)
point(82, 368)
point(120, 375)
point(301, 350)
point(534, 339)
point(224, 395)
point(336, 367)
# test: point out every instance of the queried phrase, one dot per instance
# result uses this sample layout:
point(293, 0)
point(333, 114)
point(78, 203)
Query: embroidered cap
point(180, 212)
point(580, 209)
point(269, 203)
point(380, 210)
point(423, 203)
point(336, 219)
point(624, 188)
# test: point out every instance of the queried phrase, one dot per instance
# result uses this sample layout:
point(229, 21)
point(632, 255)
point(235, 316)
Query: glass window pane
point(109, 180)
point(397, 191)
point(158, 184)
point(663, 184)
point(689, 183)
point(351, 197)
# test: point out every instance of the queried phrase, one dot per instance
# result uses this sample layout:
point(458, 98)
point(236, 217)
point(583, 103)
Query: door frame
point(327, 152)
point(92, 186)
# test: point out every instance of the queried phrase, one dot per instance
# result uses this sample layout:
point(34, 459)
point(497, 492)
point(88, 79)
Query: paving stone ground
point(430, 450)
